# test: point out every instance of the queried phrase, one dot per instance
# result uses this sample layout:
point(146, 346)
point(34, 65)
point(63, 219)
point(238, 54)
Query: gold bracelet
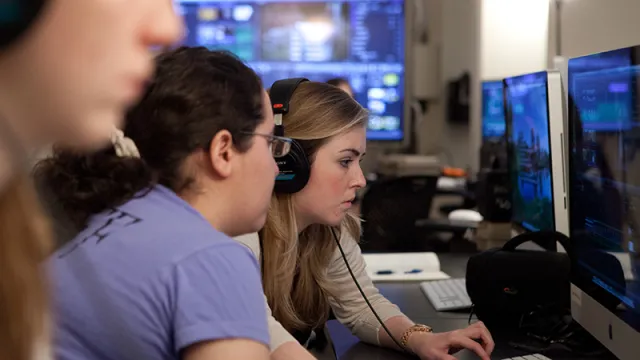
point(415, 328)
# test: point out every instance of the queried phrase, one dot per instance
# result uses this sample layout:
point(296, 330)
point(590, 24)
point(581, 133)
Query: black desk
point(409, 297)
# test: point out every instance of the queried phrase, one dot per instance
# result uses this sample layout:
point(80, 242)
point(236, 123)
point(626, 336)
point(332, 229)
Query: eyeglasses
point(279, 145)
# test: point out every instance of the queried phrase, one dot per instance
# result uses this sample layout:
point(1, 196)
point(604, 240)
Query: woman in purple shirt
point(154, 273)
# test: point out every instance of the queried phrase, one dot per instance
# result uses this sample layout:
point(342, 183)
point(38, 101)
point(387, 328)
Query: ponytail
point(81, 185)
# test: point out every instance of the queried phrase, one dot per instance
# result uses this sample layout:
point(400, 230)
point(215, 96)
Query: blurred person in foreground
point(69, 69)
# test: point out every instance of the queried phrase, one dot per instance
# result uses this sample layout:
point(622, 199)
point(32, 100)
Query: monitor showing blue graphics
point(362, 41)
point(530, 157)
point(604, 187)
point(493, 120)
point(601, 88)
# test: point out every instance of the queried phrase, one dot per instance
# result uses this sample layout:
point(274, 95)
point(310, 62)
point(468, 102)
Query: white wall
point(431, 127)
point(459, 45)
point(513, 39)
point(589, 26)
point(459, 53)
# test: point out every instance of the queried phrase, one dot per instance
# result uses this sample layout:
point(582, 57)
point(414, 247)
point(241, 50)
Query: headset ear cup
point(295, 170)
point(16, 17)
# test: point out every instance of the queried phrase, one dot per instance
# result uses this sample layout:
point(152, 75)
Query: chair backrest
point(390, 208)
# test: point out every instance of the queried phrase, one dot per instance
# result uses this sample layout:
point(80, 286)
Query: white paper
point(625, 262)
point(421, 266)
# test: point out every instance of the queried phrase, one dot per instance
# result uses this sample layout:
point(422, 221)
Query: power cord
point(471, 313)
point(344, 257)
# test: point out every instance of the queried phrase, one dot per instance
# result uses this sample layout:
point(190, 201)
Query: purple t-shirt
point(150, 278)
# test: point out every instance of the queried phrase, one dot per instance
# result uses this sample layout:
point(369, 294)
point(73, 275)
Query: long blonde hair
point(24, 244)
point(295, 265)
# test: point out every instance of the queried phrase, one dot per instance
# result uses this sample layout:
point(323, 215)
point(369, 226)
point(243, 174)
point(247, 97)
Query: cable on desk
point(471, 313)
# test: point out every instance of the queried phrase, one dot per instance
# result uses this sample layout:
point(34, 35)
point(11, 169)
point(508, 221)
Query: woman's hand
point(440, 346)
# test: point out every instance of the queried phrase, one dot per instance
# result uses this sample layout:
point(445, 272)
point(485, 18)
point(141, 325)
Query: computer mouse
point(465, 215)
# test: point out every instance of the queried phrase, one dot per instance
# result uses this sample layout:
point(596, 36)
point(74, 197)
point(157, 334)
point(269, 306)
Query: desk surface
point(409, 297)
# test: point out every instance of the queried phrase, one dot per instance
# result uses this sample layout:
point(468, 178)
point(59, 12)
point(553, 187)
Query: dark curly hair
point(194, 94)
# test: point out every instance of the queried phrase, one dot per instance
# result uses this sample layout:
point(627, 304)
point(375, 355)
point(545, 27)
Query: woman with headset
point(68, 69)
point(304, 271)
point(154, 273)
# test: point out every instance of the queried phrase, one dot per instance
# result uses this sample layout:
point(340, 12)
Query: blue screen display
point(493, 120)
point(530, 157)
point(604, 181)
point(362, 41)
point(601, 89)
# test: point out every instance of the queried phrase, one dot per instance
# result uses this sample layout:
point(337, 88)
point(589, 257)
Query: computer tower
point(494, 195)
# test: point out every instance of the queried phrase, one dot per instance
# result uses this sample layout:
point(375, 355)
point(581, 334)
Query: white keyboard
point(529, 357)
point(447, 295)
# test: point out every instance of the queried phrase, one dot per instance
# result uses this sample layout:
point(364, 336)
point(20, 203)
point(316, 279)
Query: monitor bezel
point(558, 153)
point(608, 328)
point(520, 226)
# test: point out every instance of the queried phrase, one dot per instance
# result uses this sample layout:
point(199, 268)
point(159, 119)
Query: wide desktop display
point(529, 151)
point(604, 185)
point(493, 119)
point(362, 41)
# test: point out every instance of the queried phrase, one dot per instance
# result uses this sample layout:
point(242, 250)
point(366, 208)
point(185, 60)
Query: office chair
point(391, 208)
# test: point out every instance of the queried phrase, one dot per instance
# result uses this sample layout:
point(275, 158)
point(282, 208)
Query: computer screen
point(362, 41)
point(493, 120)
point(604, 178)
point(604, 95)
point(529, 153)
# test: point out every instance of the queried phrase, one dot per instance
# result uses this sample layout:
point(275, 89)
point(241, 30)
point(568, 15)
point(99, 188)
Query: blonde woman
point(68, 70)
point(304, 275)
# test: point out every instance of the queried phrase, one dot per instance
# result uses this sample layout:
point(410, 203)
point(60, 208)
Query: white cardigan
point(349, 307)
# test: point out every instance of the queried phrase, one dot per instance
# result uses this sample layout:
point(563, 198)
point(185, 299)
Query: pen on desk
point(384, 272)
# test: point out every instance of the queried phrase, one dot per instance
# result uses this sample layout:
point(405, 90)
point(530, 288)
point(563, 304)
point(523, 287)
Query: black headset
point(15, 18)
point(295, 168)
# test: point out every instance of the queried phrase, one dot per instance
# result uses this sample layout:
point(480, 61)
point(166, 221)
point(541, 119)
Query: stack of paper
point(404, 267)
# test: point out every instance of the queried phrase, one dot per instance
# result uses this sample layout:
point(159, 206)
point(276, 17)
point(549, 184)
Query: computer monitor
point(363, 41)
point(493, 120)
point(604, 189)
point(533, 107)
point(493, 149)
